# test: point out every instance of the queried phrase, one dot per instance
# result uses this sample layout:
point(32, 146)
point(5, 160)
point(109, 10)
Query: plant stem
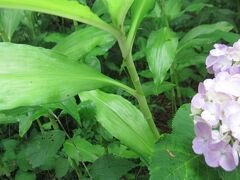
point(127, 56)
point(75, 166)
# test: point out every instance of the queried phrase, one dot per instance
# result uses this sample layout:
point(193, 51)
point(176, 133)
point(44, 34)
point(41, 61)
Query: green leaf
point(21, 175)
point(81, 150)
point(25, 121)
point(70, 106)
point(10, 20)
point(149, 88)
point(205, 29)
point(173, 9)
point(196, 7)
point(80, 43)
point(173, 157)
point(110, 168)
point(139, 10)
point(118, 10)
point(61, 167)
point(42, 76)
point(43, 147)
point(123, 120)
point(161, 51)
point(65, 8)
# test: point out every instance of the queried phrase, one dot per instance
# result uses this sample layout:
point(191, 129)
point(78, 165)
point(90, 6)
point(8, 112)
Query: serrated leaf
point(123, 120)
point(118, 10)
point(161, 51)
point(32, 76)
point(110, 168)
point(173, 157)
point(42, 148)
point(81, 150)
point(81, 42)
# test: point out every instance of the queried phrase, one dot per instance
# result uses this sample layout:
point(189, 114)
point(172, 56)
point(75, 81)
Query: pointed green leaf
point(65, 8)
point(123, 120)
point(81, 150)
point(118, 10)
point(34, 76)
point(139, 10)
point(80, 43)
point(205, 29)
point(161, 51)
point(10, 20)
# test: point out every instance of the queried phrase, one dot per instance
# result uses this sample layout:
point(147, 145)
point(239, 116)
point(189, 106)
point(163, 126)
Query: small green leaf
point(21, 175)
point(43, 76)
point(139, 10)
point(80, 43)
point(61, 167)
point(10, 20)
point(161, 51)
point(110, 168)
point(173, 9)
point(149, 88)
point(123, 120)
point(118, 10)
point(81, 150)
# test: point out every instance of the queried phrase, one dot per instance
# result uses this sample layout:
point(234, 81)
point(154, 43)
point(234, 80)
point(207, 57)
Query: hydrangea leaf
point(173, 157)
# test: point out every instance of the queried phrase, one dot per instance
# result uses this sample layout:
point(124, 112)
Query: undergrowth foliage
point(100, 89)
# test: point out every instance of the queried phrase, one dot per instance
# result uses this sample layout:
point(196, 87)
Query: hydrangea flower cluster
point(216, 109)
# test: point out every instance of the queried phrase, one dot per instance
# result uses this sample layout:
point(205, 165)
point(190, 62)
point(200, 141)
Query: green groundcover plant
point(100, 89)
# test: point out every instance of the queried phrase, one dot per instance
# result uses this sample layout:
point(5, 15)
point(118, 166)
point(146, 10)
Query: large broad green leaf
point(10, 20)
point(81, 150)
point(161, 51)
point(139, 9)
point(81, 42)
point(118, 10)
point(173, 157)
point(65, 8)
point(110, 168)
point(205, 29)
point(123, 120)
point(33, 76)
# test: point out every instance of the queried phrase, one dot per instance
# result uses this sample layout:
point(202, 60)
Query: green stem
point(127, 56)
point(75, 166)
point(40, 126)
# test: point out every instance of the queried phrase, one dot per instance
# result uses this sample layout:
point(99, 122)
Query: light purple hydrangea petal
point(203, 133)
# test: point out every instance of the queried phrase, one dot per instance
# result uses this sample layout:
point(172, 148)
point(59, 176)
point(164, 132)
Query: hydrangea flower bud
point(216, 112)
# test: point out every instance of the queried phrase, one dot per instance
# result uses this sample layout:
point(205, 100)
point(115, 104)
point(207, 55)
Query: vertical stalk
point(127, 56)
point(172, 69)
